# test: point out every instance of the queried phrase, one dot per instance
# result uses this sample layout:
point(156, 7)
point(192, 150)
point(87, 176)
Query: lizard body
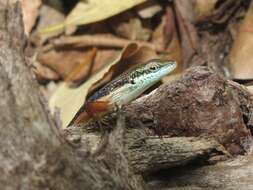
point(123, 89)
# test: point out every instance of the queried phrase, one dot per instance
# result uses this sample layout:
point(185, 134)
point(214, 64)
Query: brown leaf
point(48, 16)
point(164, 32)
point(224, 11)
point(63, 61)
point(166, 37)
point(214, 11)
point(204, 9)
point(159, 38)
point(173, 43)
point(83, 69)
point(240, 58)
point(174, 53)
point(129, 26)
point(44, 74)
point(188, 34)
point(103, 57)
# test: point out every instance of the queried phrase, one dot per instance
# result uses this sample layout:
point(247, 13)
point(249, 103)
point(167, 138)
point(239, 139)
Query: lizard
point(123, 89)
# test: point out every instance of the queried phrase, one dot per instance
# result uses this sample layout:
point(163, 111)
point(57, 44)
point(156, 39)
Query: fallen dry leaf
point(80, 72)
point(63, 61)
point(240, 58)
point(44, 74)
point(204, 9)
point(103, 56)
point(214, 11)
point(187, 31)
point(165, 38)
point(30, 10)
point(92, 11)
point(173, 46)
point(148, 9)
point(69, 100)
point(131, 28)
point(224, 10)
point(97, 40)
point(163, 33)
point(48, 16)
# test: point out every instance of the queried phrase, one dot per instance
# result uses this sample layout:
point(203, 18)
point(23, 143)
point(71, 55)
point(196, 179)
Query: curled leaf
point(83, 69)
point(204, 9)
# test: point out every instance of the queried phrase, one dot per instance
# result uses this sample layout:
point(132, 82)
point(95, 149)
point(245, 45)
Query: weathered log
point(200, 104)
point(203, 104)
point(146, 154)
point(230, 175)
point(153, 154)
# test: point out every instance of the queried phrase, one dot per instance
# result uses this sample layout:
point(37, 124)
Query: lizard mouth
point(171, 65)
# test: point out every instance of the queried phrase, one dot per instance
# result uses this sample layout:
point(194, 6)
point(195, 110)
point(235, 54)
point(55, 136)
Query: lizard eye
point(153, 67)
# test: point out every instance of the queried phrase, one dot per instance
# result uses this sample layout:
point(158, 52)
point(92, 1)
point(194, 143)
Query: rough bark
point(33, 153)
point(230, 175)
point(200, 104)
point(153, 154)
point(146, 154)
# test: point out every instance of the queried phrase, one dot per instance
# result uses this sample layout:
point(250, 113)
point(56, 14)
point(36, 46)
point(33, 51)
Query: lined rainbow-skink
point(123, 89)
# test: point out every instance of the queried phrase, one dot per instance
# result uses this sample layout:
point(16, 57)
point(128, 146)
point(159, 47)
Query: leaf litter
point(84, 49)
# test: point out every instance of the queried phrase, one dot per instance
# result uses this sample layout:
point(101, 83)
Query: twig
point(98, 41)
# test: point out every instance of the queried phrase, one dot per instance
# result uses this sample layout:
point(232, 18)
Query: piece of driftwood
point(203, 104)
point(230, 175)
point(34, 154)
point(200, 104)
point(146, 154)
point(153, 154)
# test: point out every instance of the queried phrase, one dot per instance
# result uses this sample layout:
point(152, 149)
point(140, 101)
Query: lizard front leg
point(89, 110)
point(96, 109)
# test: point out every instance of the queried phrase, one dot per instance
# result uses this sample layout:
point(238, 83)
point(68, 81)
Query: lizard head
point(152, 71)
